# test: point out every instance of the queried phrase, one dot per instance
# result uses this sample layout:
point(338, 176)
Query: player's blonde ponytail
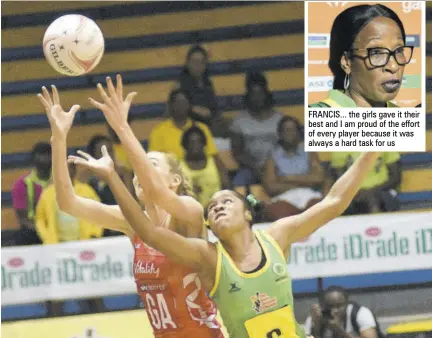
point(185, 188)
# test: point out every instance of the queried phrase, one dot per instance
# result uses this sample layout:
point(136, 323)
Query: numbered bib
point(275, 324)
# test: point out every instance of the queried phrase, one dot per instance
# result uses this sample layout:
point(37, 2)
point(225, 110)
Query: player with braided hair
point(177, 304)
point(245, 271)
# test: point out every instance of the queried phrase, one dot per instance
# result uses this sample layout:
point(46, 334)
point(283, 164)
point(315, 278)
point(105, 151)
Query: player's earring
point(347, 81)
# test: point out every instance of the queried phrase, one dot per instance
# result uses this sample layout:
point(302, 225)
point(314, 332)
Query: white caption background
point(365, 129)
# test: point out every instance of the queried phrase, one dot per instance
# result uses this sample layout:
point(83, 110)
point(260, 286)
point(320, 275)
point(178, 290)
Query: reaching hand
point(60, 121)
point(103, 167)
point(115, 108)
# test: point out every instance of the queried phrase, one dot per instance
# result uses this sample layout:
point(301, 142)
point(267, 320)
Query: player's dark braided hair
point(252, 204)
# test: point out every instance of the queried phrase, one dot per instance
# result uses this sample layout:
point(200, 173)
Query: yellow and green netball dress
point(257, 304)
point(338, 99)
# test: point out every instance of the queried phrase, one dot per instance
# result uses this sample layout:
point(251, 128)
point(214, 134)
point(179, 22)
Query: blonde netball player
point(177, 305)
point(245, 271)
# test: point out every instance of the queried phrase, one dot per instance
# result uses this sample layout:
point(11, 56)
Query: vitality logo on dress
point(262, 302)
point(146, 268)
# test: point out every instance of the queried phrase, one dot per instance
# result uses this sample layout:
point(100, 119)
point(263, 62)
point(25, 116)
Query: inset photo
point(365, 54)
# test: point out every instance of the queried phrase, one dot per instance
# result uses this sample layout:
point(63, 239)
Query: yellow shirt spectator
point(166, 137)
point(377, 176)
point(121, 156)
point(54, 226)
point(205, 181)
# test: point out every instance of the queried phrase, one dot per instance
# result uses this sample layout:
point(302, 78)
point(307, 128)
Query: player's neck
point(240, 244)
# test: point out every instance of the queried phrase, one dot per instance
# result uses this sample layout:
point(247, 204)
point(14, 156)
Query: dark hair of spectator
point(257, 79)
point(197, 49)
point(345, 29)
point(299, 127)
point(91, 146)
point(72, 170)
point(175, 92)
point(188, 133)
point(335, 288)
point(41, 148)
point(287, 118)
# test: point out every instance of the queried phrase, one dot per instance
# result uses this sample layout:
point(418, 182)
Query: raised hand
point(60, 120)
point(115, 108)
point(103, 167)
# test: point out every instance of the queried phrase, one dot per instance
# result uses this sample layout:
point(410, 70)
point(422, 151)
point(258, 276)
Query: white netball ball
point(73, 45)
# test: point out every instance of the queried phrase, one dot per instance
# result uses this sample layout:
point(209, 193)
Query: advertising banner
point(345, 246)
point(67, 271)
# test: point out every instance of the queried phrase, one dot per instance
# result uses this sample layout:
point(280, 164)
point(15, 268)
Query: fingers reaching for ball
point(55, 95)
point(119, 88)
point(47, 95)
point(114, 107)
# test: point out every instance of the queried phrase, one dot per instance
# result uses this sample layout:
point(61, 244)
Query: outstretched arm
point(291, 229)
point(187, 251)
point(109, 217)
point(182, 208)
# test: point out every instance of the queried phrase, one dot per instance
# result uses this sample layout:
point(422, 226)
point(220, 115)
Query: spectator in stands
point(166, 136)
point(206, 172)
point(195, 80)
point(55, 226)
point(378, 192)
point(337, 317)
point(292, 177)
point(254, 130)
point(26, 192)
point(368, 56)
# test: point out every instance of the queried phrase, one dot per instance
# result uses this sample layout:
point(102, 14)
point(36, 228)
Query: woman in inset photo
point(368, 55)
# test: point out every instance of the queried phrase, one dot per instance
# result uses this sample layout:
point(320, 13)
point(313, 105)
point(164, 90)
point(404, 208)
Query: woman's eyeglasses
point(380, 56)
